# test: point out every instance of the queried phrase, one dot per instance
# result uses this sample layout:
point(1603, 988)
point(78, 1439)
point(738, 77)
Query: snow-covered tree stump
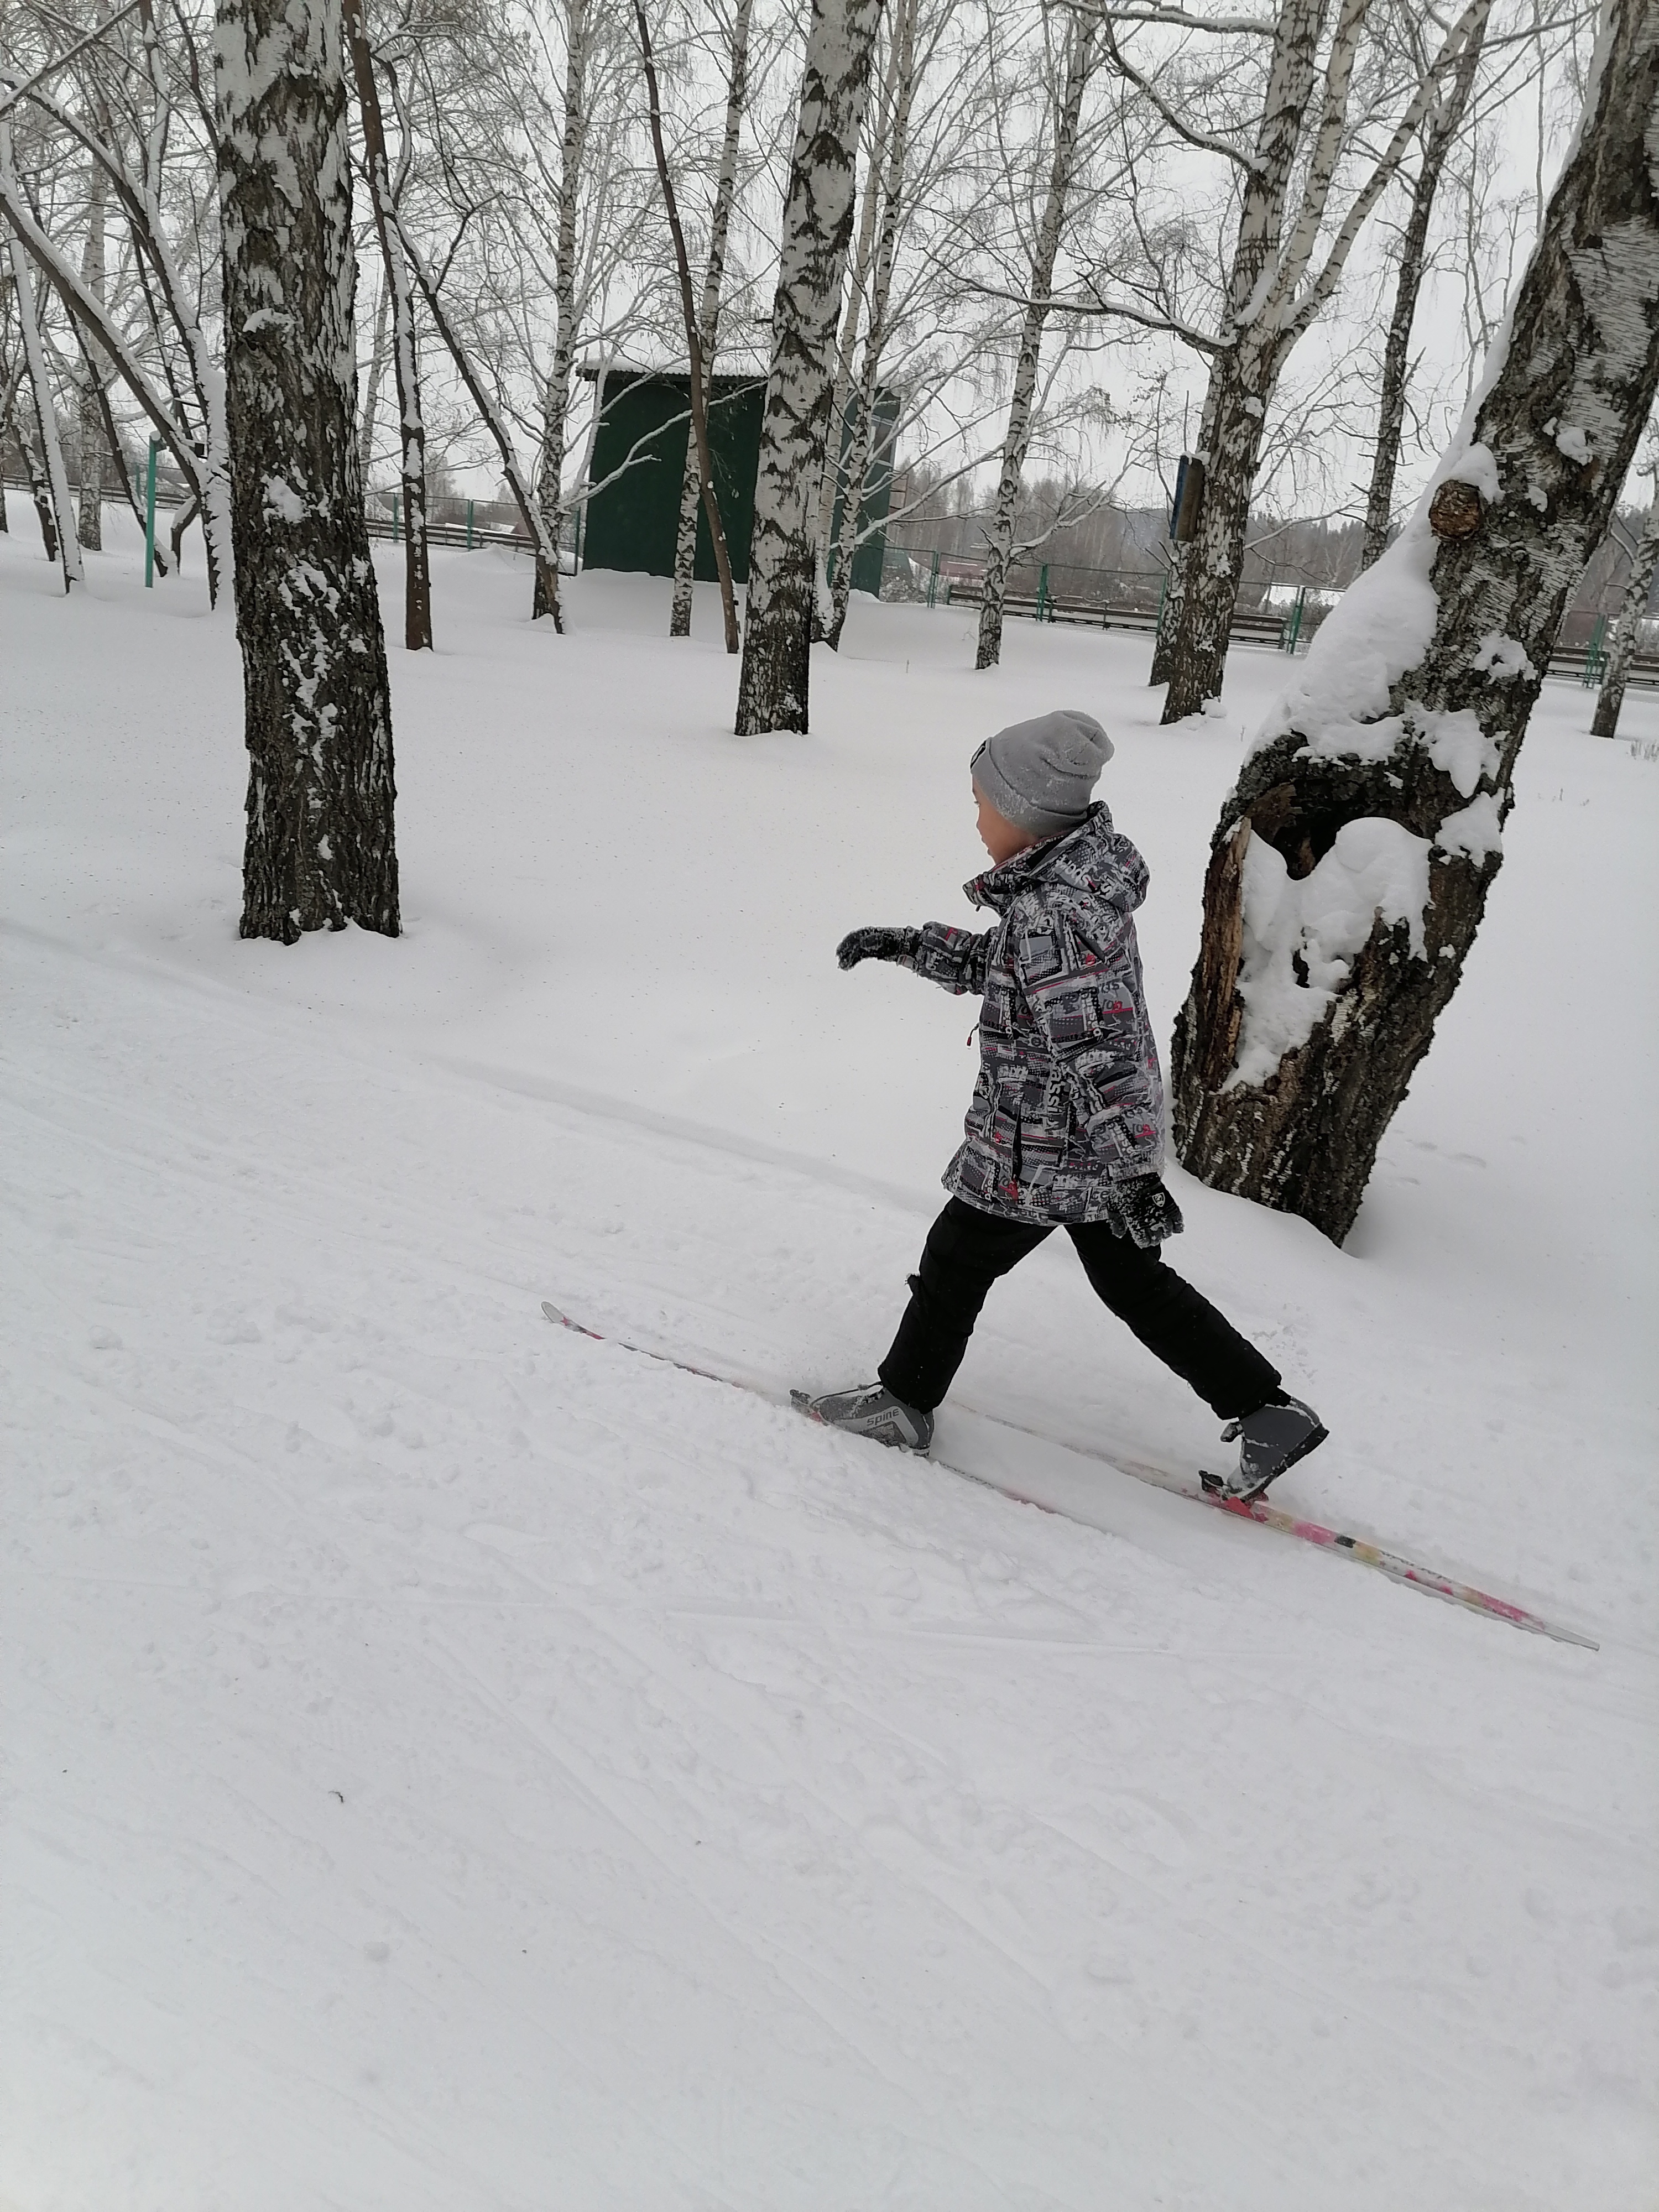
point(818, 221)
point(1350, 865)
point(320, 850)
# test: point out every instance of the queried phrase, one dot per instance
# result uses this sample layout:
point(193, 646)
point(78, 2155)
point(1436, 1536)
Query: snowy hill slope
point(451, 1762)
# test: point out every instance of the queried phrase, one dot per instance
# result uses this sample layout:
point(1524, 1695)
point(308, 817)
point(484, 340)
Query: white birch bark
point(1621, 646)
point(709, 312)
point(411, 421)
point(1274, 294)
point(90, 427)
point(857, 289)
point(380, 354)
point(774, 683)
point(875, 337)
point(52, 449)
point(1081, 55)
point(1439, 135)
point(320, 850)
point(556, 397)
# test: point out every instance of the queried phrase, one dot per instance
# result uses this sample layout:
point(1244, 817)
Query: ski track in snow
point(452, 1762)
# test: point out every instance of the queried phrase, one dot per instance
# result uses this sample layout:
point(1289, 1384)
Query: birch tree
point(1350, 868)
point(1291, 248)
point(698, 440)
point(67, 548)
point(90, 427)
point(579, 32)
point(1439, 135)
point(895, 149)
point(818, 219)
point(1079, 52)
point(320, 850)
point(708, 325)
point(399, 292)
point(1627, 629)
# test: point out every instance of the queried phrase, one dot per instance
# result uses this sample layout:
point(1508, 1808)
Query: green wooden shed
point(645, 423)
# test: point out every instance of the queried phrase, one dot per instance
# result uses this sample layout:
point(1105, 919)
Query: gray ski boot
point(870, 1409)
point(1274, 1437)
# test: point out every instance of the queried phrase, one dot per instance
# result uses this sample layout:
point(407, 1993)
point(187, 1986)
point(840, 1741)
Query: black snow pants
point(966, 1251)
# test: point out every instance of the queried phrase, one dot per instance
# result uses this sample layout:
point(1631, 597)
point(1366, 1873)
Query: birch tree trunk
point(557, 406)
point(90, 428)
point(61, 542)
point(699, 390)
point(411, 421)
point(379, 354)
point(320, 849)
point(818, 220)
point(35, 468)
point(856, 284)
point(1438, 139)
point(875, 337)
point(1610, 700)
point(1351, 866)
point(1274, 294)
point(1193, 641)
point(1081, 54)
point(709, 316)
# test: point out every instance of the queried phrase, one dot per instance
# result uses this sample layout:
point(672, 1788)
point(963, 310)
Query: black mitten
point(877, 944)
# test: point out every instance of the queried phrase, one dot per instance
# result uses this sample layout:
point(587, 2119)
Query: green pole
point(150, 516)
point(1296, 621)
point(1043, 592)
point(394, 517)
point(933, 581)
point(469, 525)
point(1593, 656)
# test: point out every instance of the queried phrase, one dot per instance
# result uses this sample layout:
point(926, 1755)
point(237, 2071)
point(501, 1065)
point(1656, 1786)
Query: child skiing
point(1065, 1129)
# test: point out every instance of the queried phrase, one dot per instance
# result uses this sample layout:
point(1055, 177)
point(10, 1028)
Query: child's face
point(1000, 839)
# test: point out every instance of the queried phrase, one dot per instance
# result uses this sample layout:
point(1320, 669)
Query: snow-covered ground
point(452, 1764)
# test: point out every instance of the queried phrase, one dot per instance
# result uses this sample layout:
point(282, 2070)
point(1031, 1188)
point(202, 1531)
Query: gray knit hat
point(1039, 774)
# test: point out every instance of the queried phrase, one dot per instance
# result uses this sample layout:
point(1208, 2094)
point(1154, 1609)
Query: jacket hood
point(1094, 858)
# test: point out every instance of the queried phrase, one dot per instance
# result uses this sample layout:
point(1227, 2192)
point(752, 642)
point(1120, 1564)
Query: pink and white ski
point(1397, 1568)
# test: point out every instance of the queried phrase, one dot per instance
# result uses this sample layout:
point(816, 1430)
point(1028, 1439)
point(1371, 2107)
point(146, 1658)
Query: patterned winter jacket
point(1066, 1122)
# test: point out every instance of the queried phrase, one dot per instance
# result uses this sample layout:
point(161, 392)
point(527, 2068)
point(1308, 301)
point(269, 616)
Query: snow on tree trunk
point(61, 545)
point(556, 397)
point(818, 220)
point(320, 850)
point(1350, 865)
point(411, 421)
point(875, 335)
point(90, 427)
point(1438, 139)
point(708, 313)
point(1626, 631)
point(1080, 57)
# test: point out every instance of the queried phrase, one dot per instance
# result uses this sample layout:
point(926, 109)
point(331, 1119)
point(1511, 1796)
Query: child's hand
point(877, 944)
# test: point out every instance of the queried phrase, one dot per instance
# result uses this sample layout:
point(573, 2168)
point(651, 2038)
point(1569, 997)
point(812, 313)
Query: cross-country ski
point(1258, 1510)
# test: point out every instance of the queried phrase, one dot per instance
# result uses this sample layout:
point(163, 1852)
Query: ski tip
point(553, 1313)
point(802, 1402)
